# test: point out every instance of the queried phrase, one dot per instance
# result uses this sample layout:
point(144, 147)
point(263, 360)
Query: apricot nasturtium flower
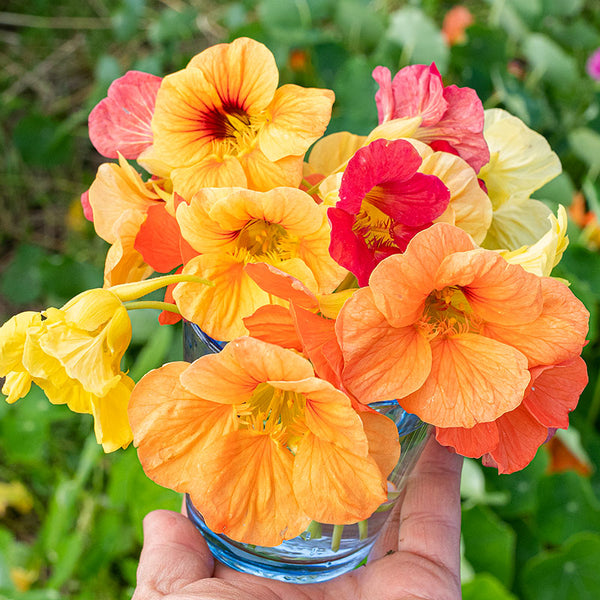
point(120, 202)
point(383, 203)
point(223, 122)
point(74, 355)
point(253, 429)
point(451, 330)
point(511, 441)
point(230, 228)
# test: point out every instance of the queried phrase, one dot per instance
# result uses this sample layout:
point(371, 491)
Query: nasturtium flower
point(253, 429)
point(383, 203)
point(511, 441)
point(74, 355)
point(451, 330)
point(542, 256)
point(222, 121)
point(13, 334)
point(120, 200)
point(230, 228)
point(451, 117)
point(121, 122)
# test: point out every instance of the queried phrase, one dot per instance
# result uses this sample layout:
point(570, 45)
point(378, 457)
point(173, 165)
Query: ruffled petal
point(371, 347)
point(244, 490)
point(297, 117)
point(473, 380)
point(382, 435)
point(556, 335)
point(172, 426)
point(121, 123)
point(473, 442)
point(334, 484)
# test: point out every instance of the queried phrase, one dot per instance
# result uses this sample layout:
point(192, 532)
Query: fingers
point(174, 555)
point(430, 513)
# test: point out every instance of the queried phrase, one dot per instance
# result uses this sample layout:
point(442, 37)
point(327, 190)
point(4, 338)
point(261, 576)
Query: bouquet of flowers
point(409, 265)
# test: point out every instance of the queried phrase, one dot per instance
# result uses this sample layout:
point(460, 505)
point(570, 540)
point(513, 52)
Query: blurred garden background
point(70, 516)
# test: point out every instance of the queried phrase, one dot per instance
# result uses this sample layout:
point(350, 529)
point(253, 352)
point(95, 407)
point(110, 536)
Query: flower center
point(447, 312)
point(275, 412)
point(233, 129)
point(373, 225)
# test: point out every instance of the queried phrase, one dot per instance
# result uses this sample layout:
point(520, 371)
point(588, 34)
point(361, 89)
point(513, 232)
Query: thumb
point(173, 556)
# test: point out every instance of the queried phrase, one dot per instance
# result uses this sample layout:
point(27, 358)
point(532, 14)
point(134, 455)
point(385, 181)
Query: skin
point(176, 564)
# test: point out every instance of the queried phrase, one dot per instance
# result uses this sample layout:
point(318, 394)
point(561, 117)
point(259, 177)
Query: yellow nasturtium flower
point(74, 354)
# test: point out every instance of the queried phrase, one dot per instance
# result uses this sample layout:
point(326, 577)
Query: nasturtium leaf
point(550, 61)
point(584, 264)
point(521, 487)
point(585, 143)
point(569, 573)
point(42, 141)
point(21, 280)
point(484, 585)
point(566, 505)
point(562, 8)
point(489, 543)
point(360, 25)
point(419, 36)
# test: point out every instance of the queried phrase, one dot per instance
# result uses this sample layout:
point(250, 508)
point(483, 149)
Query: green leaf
point(583, 264)
point(421, 39)
point(585, 143)
point(485, 586)
point(489, 543)
point(570, 573)
point(549, 61)
point(173, 26)
point(21, 281)
point(562, 8)
point(360, 25)
point(42, 141)
point(566, 505)
point(153, 353)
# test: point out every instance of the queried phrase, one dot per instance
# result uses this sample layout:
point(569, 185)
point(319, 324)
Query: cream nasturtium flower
point(540, 258)
point(521, 162)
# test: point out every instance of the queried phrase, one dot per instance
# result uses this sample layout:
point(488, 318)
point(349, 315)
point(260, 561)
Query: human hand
point(416, 558)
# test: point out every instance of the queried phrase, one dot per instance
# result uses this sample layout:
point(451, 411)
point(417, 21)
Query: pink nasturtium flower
point(451, 117)
point(451, 330)
point(121, 123)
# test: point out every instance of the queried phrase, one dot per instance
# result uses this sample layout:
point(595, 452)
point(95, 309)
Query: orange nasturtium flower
point(465, 327)
point(222, 121)
point(231, 227)
point(74, 355)
point(254, 430)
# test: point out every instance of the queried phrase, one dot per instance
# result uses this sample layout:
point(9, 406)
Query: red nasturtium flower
point(511, 441)
point(383, 203)
point(466, 324)
point(253, 429)
point(121, 123)
point(222, 121)
point(451, 117)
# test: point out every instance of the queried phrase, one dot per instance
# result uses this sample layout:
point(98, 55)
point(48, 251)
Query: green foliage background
point(70, 516)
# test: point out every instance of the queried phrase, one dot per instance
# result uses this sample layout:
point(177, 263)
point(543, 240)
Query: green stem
point(336, 537)
point(363, 529)
point(314, 530)
point(136, 305)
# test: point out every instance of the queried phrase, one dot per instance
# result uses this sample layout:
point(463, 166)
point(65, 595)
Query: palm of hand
point(177, 565)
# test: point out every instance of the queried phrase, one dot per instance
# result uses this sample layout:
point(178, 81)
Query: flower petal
point(382, 434)
point(473, 380)
point(244, 490)
point(121, 123)
point(473, 441)
point(371, 348)
point(335, 485)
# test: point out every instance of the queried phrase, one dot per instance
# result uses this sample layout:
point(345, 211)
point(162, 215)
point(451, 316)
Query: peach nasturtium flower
point(451, 330)
point(510, 442)
point(231, 227)
point(254, 430)
point(222, 121)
